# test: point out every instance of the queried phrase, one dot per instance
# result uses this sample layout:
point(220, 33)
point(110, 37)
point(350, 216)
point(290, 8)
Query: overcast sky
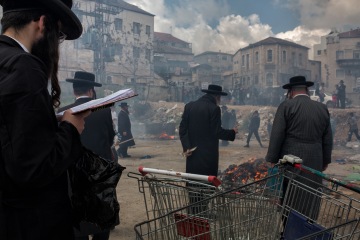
point(227, 25)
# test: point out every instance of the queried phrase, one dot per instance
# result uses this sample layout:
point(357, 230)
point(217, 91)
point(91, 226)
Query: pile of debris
point(248, 172)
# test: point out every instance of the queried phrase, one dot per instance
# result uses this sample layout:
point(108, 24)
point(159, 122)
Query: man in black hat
point(302, 128)
point(124, 129)
point(200, 127)
point(36, 149)
point(98, 136)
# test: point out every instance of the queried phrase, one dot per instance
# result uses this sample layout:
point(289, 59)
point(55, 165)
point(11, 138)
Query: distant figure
point(232, 120)
point(253, 128)
point(225, 122)
point(124, 128)
point(353, 127)
point(342, 93)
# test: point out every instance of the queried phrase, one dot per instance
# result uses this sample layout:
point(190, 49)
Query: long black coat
point(302, 128)
point(124, 125)
point(35, 150)
point(99, 133)
point(201, 127)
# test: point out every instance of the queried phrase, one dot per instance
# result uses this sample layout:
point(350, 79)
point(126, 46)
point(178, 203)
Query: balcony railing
point(351, 62)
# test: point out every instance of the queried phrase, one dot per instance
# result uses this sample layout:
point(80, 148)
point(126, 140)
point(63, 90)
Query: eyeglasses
point(62, 36)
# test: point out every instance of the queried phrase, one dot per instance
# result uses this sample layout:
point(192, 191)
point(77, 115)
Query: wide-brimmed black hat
point(124, 104)
point(70, 24)
point(214, 89)
point(84, 79)
point(298, 81)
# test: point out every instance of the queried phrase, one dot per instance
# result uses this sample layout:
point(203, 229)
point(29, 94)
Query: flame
point(166, 136)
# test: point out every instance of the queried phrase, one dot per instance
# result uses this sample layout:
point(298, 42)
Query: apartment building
point(271, 62)
point(339, 53)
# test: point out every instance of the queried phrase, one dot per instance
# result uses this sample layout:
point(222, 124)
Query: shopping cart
point(166, 190)
point(290, 204)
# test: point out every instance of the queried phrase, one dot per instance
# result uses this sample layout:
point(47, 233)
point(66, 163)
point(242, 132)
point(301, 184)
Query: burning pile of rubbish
point(250, 171)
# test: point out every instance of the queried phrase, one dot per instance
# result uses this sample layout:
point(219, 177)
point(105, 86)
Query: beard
point(47, 49)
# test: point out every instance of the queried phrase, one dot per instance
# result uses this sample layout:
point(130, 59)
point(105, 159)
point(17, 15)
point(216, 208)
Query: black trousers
point(256, 133)
point(351, 132)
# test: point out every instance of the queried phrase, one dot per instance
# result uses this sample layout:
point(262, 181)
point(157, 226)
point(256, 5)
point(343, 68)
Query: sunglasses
point(62, 36)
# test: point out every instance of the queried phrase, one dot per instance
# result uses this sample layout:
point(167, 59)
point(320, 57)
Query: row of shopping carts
point(292, 202)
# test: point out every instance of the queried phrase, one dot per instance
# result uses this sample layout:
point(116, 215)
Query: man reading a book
point(36, 150)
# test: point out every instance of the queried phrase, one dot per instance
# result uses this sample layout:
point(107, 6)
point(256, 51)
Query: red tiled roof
point(166, 37)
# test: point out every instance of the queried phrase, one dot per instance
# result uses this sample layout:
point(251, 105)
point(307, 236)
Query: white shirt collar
point(22, 45)
point(302, 94)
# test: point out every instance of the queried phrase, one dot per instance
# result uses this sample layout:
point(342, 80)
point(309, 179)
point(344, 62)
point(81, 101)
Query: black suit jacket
point(99, 133)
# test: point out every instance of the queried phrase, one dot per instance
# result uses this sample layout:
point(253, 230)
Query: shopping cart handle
point(211, 179)
point(290, 159)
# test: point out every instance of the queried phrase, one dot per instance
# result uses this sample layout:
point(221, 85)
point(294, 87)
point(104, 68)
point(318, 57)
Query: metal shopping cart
point(290, 204)
point(166, 190)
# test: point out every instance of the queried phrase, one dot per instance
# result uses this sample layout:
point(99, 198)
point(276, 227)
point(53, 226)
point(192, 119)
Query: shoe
point(247, 145)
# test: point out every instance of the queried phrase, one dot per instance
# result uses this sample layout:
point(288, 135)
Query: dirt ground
point(166, 154)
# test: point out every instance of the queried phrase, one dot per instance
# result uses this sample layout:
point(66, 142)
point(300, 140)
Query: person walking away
point(225, 121)
point(302, 128)
point(200, 127)
point(36, 147)
point(342, 94)
point(97, 137)
point(353, 127)
point(254, 128)
point(124, 127)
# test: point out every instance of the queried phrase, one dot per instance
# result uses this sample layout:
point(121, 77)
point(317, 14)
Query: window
point(269, 55)
point(269, 79)
point(318, 52)
point(356, 55)
point(118, 49)
point(256, 80)
point(339, 54)
point(136, 52)
point(136, 28)
point(340, 73)
point(247, 61)
point(293, 58)
point(118, 24)
point(284, 56)
point(300, 59)
point(224, 58)
point(256, 57)
point(147, 30)
point(148, 54)
point(243, 60)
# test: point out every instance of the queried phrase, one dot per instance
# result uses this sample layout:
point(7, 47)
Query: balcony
point(348, 63)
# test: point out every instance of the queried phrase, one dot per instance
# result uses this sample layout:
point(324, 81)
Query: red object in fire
point(165, 136)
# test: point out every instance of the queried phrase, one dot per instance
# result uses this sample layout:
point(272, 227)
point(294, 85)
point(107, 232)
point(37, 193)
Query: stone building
point(339, 53)
point(116, 45)
point(219, 62)
point(271, 62)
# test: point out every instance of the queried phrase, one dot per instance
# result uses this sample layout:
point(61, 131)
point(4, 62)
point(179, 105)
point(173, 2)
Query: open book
point(104, 102)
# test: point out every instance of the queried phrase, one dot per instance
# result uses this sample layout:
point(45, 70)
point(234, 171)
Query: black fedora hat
point(124, 104)
point(214, 89)
point(83, 79)
point(298, 81)
point(70, 23)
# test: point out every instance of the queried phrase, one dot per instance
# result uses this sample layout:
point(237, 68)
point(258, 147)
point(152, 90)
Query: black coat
point(124, 125)
point(302, 128)
point(98, 135)
point(201, 127)
point(35, 150)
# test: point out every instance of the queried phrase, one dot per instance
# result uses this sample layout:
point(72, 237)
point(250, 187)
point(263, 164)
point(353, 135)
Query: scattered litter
point(340, 161)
